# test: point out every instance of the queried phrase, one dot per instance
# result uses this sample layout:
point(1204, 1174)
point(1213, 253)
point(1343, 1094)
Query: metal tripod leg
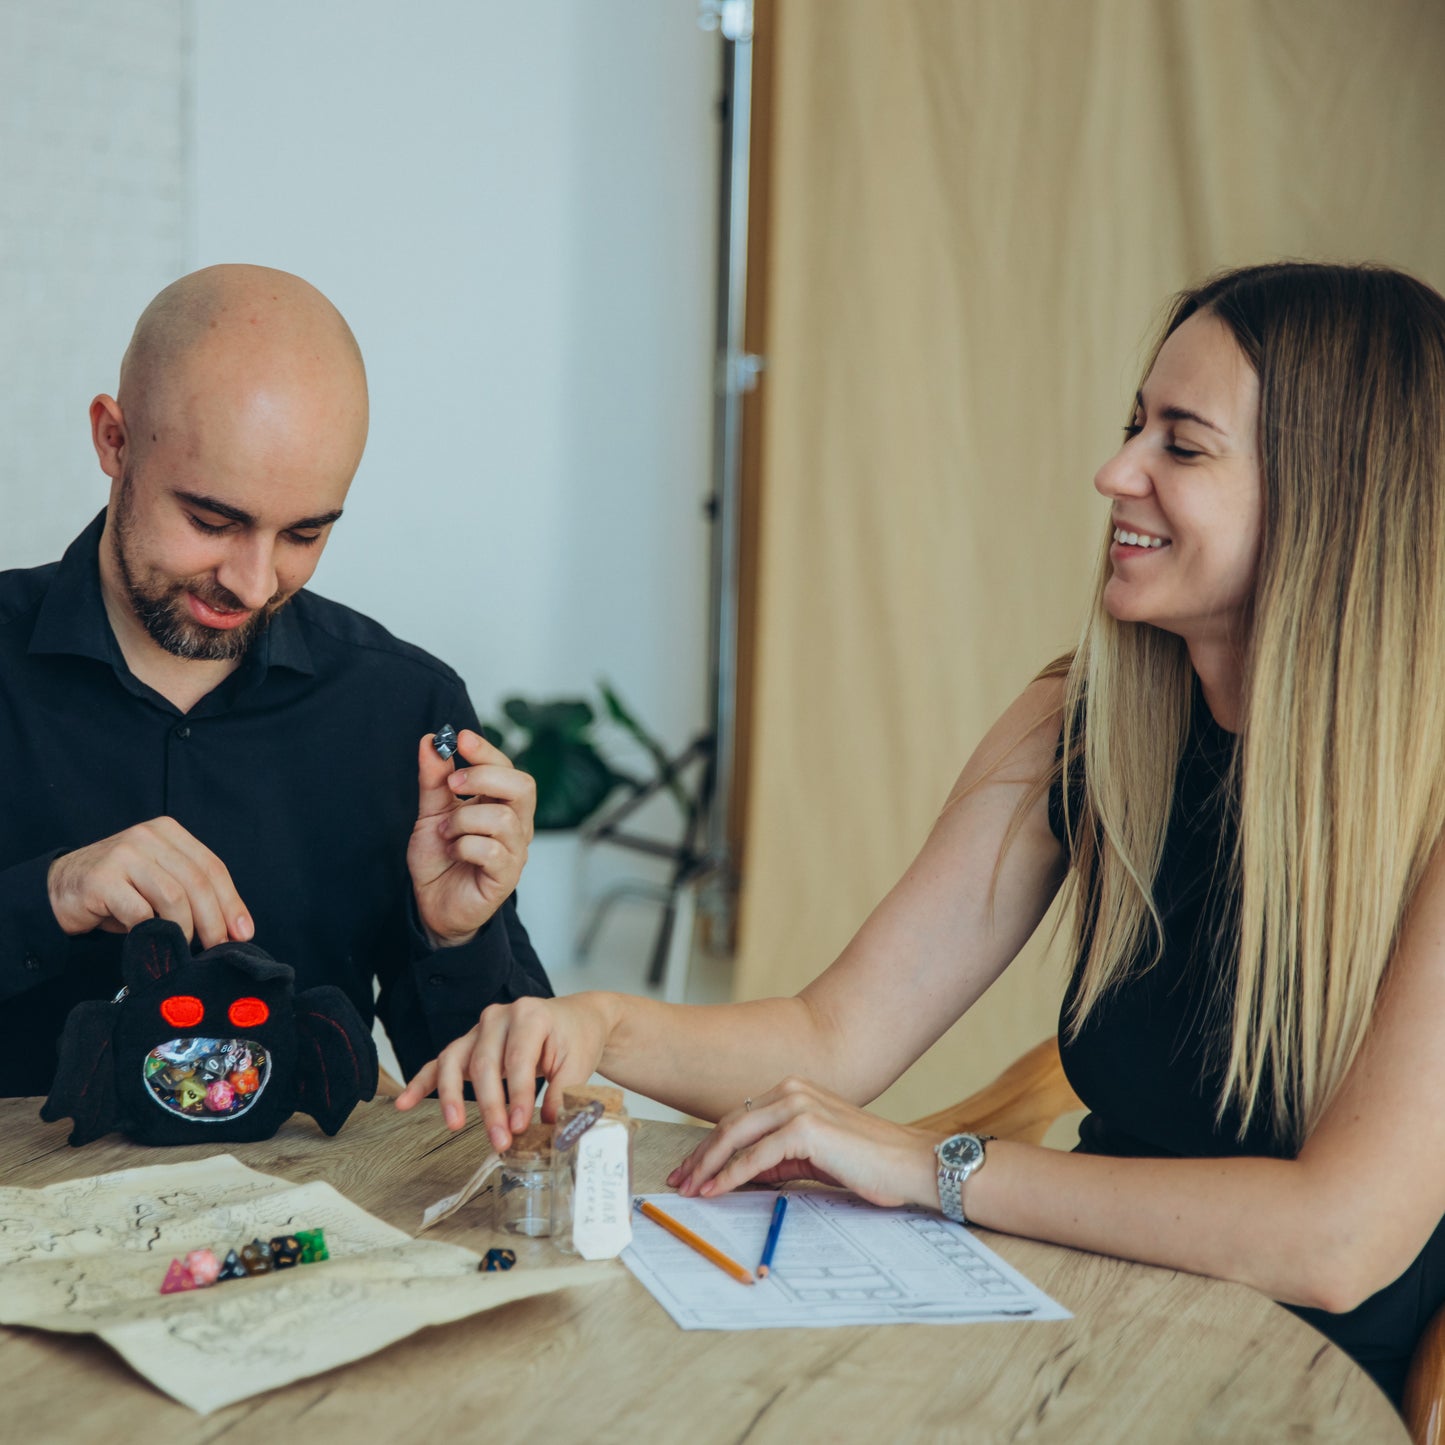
point(597, 914)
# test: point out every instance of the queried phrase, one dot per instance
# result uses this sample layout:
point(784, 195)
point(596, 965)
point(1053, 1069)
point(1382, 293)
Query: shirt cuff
point(33, 946)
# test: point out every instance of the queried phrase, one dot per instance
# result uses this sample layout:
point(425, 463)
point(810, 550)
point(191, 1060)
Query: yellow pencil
point(694, 1241)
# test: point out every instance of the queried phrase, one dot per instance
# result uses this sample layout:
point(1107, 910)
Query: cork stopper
point(578, 1095)
point(534, 1143)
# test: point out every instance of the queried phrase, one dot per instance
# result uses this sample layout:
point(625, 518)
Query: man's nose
point(249, 572)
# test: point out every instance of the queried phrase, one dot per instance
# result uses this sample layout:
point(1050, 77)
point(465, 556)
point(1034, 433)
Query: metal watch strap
point(950, 1196)
point(950, 1185)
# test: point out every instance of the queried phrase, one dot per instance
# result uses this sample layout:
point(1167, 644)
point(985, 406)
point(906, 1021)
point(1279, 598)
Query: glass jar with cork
point(524, 1192)
point(592, 1173)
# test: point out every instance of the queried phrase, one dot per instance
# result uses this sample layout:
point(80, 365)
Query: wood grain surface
point(1150, 1356)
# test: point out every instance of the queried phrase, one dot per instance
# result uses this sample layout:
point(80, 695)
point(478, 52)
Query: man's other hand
point(152, 870)
point(466, 856)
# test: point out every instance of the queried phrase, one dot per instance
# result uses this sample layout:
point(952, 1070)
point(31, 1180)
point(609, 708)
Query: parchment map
point(839, 1262)
point(88, 1256)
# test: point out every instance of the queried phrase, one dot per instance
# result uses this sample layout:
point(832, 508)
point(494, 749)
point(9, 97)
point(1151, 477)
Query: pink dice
point(203, 1267)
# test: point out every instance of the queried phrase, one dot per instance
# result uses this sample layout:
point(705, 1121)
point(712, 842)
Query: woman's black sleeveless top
point(1148, 1063)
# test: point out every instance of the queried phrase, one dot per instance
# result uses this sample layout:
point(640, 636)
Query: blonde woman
point(1240, 776)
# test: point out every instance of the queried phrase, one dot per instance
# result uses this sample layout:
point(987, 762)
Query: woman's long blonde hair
point(1338, 783)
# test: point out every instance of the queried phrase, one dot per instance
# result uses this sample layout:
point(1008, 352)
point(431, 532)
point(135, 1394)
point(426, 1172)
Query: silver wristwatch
point(958, 1156)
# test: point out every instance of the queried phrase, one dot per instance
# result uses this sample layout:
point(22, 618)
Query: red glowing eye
point(249, 1013)
point(181, 1011)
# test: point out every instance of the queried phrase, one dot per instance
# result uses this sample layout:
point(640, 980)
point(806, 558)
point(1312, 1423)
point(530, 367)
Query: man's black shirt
point(298, 772)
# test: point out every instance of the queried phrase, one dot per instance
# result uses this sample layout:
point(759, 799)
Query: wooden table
point(1151, 1355)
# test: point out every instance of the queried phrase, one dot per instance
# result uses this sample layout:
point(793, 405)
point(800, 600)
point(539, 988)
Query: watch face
point(963, 1151)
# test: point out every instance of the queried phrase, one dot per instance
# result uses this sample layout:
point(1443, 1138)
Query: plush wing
point(84, 1086)
point(336, 1057)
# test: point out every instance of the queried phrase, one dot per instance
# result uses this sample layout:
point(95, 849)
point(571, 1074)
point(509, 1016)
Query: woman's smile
point(1126, 541)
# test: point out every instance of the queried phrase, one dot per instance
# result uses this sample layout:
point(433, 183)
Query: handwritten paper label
point(601, 1212)
point(444, 1208)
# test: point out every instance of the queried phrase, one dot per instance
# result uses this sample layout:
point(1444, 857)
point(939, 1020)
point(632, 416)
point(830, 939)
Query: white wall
point(93, 219)
point(514, 207)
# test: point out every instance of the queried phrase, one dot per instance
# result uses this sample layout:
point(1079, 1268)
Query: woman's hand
point(801, 1131)
point(560, 1039)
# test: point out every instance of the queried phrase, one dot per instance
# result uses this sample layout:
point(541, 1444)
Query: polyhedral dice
point(256, 1256)
point(285, 1251)
point(313, 1245)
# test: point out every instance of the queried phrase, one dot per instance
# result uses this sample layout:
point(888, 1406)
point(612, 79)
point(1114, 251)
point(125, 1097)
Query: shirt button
point(32, 963)
point(183, 731)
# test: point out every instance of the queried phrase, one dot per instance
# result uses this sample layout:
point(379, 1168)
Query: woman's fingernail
point(519, 1118)
point(453, 1116)
point(498, 1136)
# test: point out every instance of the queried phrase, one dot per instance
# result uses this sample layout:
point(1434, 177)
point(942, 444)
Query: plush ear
point(84, 1087)
point(336, 1057)
point(152, 950)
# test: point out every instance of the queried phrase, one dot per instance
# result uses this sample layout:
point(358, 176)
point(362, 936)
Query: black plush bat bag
point(215, 1048)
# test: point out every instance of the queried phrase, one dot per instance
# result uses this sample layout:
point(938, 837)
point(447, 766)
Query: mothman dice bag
point(218, 1047)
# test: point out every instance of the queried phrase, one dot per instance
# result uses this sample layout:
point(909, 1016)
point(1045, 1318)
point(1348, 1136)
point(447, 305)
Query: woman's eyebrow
point(1180, 413)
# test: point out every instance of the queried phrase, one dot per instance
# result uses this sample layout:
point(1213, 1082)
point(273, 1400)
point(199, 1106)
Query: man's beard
point(160, 605)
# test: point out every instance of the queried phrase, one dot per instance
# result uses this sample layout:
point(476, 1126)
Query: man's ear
point(108, 432)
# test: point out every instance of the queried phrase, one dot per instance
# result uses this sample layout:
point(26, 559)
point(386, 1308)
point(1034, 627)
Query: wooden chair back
point(1021, 1103)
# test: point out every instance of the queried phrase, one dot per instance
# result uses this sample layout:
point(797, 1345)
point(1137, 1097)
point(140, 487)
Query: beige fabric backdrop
point(978, 209)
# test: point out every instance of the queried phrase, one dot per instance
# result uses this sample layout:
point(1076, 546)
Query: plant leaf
point(573, 781)
point(620, 714)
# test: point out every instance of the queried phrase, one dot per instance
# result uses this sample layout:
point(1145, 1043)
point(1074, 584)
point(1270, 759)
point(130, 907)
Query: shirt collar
point(72, 618)
point(72, 615)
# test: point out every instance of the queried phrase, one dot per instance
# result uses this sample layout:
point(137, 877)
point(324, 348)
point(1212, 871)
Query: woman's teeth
point(1139, 539)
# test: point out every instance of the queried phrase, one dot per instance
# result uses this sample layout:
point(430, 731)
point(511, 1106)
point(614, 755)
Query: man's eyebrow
point(322, 519)
point(1180, 413)
point(235, 514)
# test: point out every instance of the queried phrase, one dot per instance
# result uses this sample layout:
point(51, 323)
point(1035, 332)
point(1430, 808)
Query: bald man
point(186, 732)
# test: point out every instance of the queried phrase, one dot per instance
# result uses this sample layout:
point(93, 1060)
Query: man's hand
point(152, 870)
point(465, 857)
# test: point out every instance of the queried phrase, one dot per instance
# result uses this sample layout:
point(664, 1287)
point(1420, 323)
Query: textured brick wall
point(94, 214)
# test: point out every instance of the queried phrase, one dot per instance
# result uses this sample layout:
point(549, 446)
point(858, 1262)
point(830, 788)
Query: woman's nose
point(1124, 474)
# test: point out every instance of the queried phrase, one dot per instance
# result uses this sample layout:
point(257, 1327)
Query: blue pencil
point(774, 1229)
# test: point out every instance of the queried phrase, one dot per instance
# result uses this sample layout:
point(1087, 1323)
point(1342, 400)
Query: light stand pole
point(736, 375)
point(703, 872)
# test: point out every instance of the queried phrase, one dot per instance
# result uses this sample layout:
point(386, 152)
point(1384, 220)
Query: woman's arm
point(934, 944)
point(1327, 1229)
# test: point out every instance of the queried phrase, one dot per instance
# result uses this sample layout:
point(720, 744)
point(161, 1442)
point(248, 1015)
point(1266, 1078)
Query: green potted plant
point(555, 743)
